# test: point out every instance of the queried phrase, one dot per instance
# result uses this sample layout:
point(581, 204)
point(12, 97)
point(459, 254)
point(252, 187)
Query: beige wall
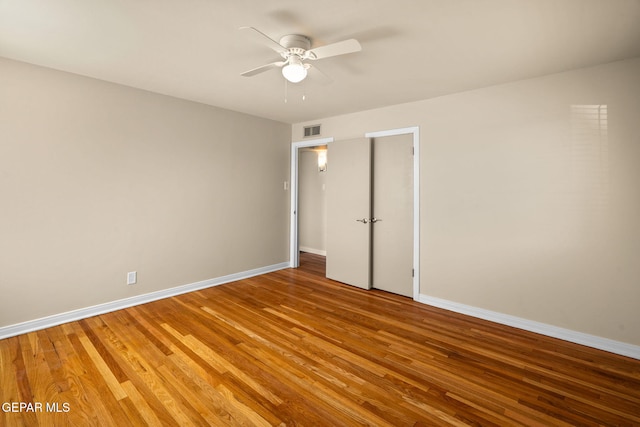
point(98, 179)
point(311, 203)
point(523, 210)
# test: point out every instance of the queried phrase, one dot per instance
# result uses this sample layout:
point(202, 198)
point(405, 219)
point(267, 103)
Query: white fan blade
point(334, 49)
point(263, 68)
point(261, 37)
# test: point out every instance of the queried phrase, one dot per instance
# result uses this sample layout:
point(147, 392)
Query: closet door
point(392, 230)
point(348, 212)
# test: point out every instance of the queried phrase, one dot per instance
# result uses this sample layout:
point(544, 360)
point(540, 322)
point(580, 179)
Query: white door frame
point(294, 254)
point(416, 197)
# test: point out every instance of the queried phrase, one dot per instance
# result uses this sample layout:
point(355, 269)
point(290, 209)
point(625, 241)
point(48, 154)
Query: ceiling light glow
point(295, 71)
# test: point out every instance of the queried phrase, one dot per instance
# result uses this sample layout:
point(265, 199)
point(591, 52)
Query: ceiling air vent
point(313, 130)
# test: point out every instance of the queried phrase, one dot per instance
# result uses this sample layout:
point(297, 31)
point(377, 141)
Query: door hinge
point(413, 272)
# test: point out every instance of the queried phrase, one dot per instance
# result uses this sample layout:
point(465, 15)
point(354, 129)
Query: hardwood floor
point(293, 348)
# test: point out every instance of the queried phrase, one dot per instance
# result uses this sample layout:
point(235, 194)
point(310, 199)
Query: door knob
point(374, 220)
point(363, 220)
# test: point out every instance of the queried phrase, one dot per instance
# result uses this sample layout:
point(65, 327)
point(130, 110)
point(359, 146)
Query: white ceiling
point(412, 49)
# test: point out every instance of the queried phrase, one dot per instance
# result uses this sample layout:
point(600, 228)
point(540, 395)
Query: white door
point(348, 212)
point(370, 213)
point(392, 200)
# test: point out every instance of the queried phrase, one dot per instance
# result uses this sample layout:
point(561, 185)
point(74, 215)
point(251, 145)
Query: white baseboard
point(83, 313)
point(600, 343)
point(313, 251)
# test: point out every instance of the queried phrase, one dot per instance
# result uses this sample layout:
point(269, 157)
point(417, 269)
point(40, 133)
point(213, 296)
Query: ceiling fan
point(295, 49)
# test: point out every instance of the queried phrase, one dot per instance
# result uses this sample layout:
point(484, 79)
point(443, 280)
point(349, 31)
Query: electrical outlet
point(132, 277)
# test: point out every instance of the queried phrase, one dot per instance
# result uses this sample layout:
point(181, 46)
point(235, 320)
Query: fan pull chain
point(285, 90)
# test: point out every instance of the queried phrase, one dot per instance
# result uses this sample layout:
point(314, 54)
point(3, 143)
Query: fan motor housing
point(296, 41)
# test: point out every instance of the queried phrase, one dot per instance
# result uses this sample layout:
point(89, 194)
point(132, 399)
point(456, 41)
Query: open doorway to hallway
point(312, 219)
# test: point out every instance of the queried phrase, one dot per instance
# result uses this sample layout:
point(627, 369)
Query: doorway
point(311, 212)
point(294, 248)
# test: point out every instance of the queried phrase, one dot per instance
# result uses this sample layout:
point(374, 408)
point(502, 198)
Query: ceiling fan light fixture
point(294, 71)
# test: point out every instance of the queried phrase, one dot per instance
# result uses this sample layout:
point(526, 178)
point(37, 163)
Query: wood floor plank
point(294, 348)
point(141, 364)
point(141, 405)
point(96, 401)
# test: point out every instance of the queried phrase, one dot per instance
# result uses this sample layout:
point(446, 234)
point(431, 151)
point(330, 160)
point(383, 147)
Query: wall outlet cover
point(132, 277)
